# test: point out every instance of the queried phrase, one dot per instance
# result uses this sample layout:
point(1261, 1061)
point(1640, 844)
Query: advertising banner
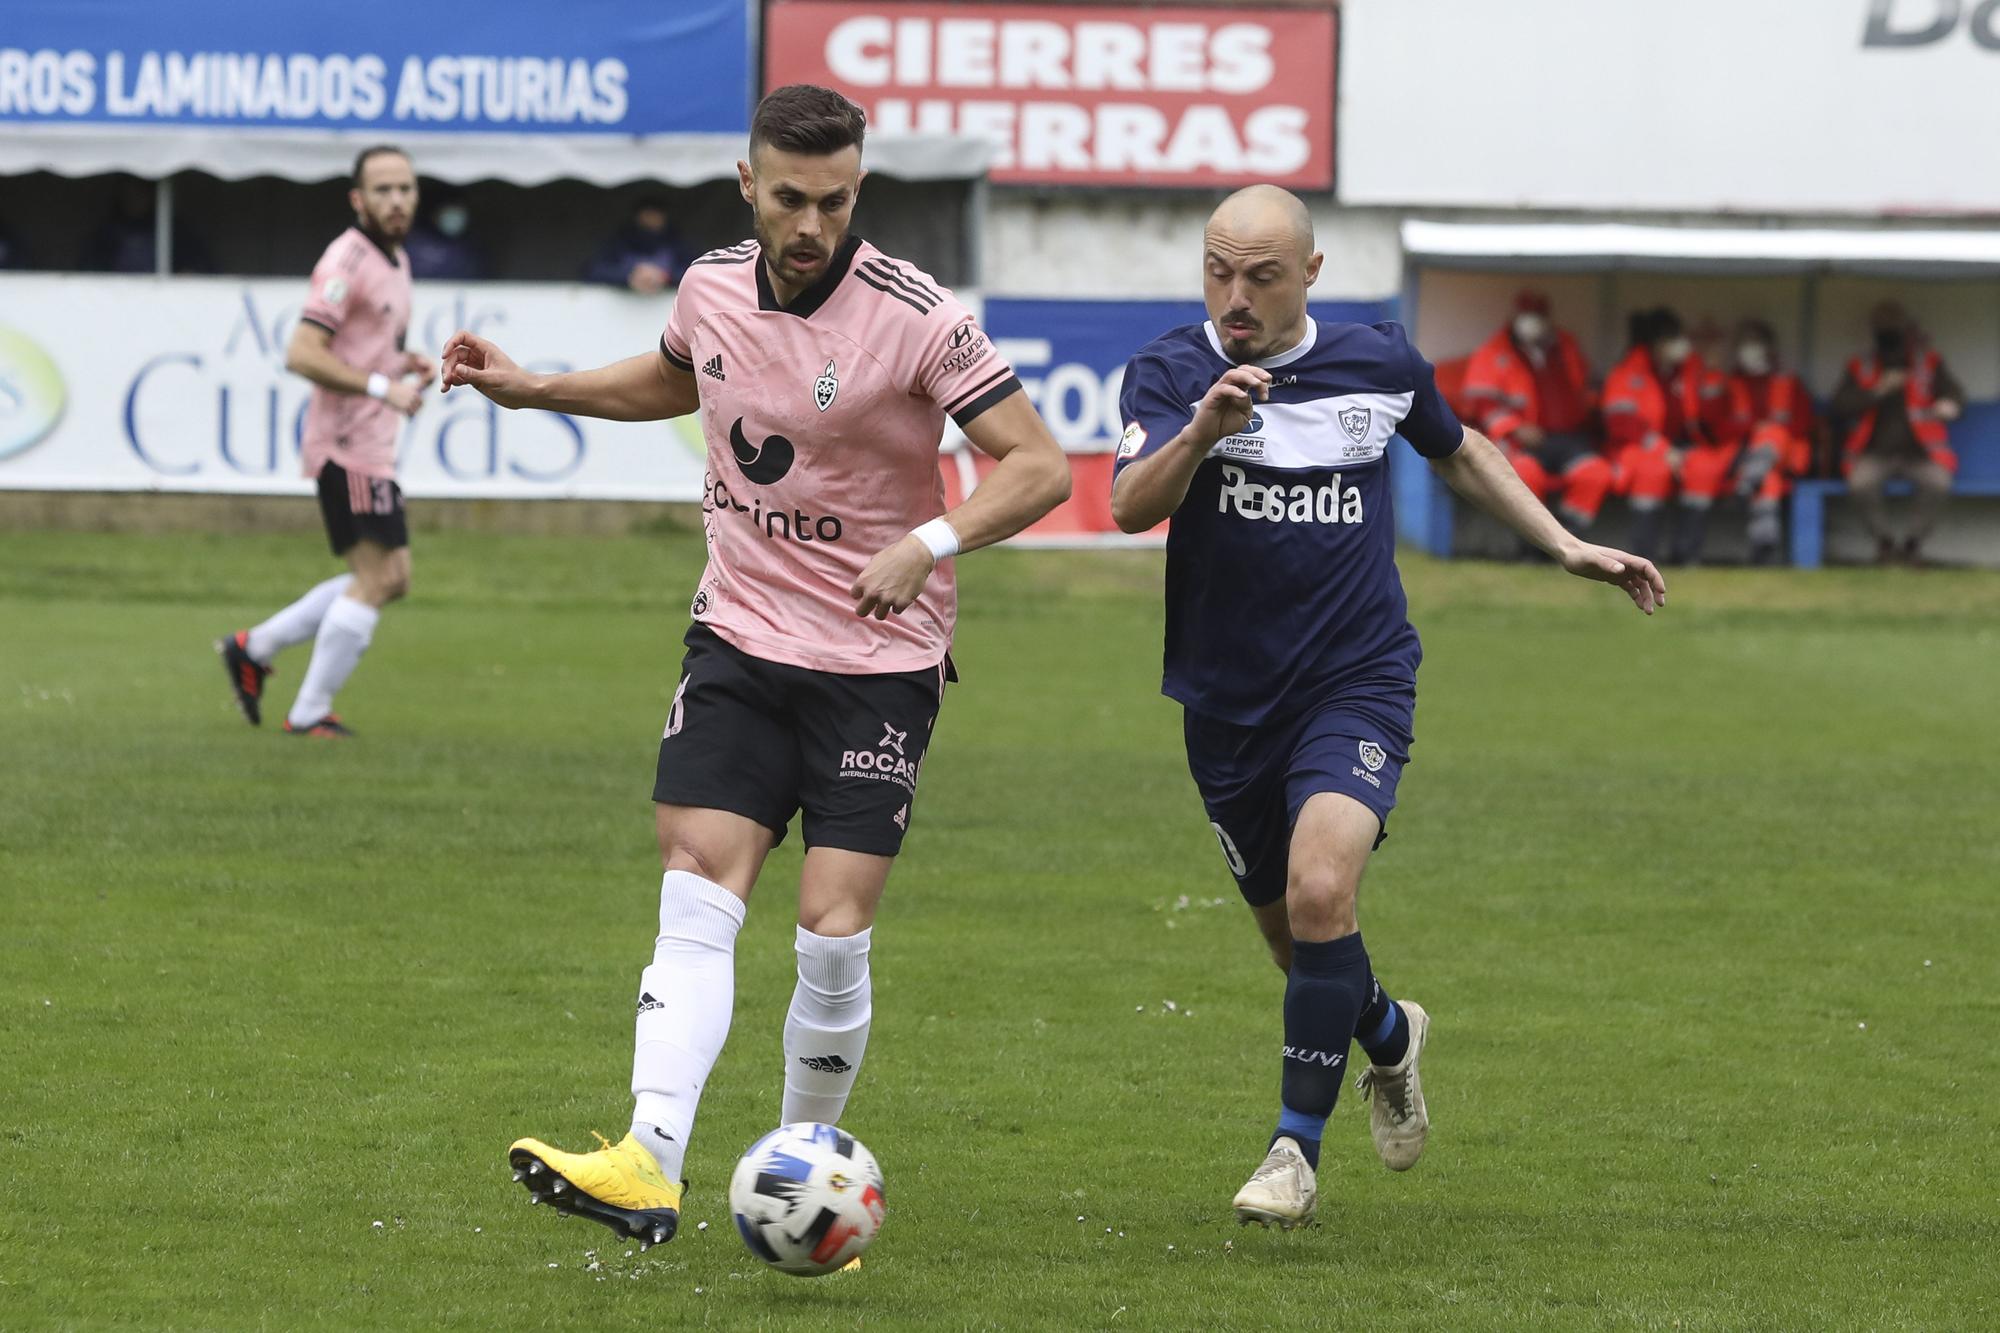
point(114, 383)
point(131, 383)
point(519, 66)
point(1073, 94)
point(1838, 106)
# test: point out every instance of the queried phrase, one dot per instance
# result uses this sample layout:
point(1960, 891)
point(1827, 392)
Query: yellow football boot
point(619, 1185)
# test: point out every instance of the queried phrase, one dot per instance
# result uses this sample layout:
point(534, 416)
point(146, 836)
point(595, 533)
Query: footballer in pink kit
point(823, 448)
point(824, 371)
point(349, 343)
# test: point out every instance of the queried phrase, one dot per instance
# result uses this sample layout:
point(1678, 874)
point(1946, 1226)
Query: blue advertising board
point(515, 66)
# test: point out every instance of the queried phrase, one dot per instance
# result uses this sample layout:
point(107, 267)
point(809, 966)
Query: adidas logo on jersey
point(1279, 503)
point(713, 367)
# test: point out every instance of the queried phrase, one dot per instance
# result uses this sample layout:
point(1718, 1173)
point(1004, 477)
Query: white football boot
point(1280, 1192)
point(1396, 1114)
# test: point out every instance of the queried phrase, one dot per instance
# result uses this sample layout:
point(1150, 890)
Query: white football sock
point(685, 999)
point(296, 623)
point(344, 633)
point(826, 1032)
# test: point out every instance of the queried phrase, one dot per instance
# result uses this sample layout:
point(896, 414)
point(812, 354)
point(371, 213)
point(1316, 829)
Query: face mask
point(452, 219)
point(1675, 350)
point(1753, 359)
point(1530, 329)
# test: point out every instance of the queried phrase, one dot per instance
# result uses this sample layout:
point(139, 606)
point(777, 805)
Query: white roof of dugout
point(1597, 246)
point(461, 158)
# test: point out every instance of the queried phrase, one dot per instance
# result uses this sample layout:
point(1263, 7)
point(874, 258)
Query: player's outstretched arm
point(1033, 478)
point(1151, 488)
point(1478, 471)
point(646, 387)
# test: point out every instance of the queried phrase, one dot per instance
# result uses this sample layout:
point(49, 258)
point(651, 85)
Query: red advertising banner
point(1081, 95)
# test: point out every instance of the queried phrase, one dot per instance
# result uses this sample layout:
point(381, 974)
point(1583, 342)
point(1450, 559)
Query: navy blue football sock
point(1323, 998)
point(1303, 1129)
point(1384, 1029)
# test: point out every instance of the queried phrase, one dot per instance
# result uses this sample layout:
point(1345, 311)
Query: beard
point(781, 261)
point(388, 227)
point(1248, 346)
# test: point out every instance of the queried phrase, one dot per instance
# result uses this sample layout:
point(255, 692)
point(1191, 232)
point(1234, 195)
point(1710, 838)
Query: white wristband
point(378, 385)
point(939, 537)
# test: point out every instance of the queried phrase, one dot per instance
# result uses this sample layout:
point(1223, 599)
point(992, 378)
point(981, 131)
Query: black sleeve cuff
point(682, 362)
point(965, 413)
point(319, 324)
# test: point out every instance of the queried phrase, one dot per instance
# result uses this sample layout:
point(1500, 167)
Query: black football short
point(765, 740)
point(357, 509)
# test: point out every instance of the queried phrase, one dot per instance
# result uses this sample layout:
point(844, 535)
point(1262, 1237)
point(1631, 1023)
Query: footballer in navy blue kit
point(1264, 433)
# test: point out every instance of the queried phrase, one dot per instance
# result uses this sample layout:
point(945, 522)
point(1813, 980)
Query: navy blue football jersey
point(1282, 587)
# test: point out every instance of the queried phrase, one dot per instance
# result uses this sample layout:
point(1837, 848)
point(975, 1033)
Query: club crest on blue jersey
point(1355, 420)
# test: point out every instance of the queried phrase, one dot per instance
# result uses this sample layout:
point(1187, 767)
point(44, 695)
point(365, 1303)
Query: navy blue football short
point(1254, 780)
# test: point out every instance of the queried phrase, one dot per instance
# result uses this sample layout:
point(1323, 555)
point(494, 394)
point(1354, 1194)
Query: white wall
point(1742, 106)
point(1149, 246)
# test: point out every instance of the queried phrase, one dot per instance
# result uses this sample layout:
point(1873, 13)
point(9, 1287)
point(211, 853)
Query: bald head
point(1264, 214)
point(1257, 262)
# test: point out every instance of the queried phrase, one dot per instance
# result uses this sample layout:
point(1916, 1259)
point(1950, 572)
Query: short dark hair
point(374, 151)
point(1655, 325)
point(805, 118)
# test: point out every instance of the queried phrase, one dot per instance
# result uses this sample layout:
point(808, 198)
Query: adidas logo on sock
point(714, 367)
point(825, 1064)
point(646, 1001)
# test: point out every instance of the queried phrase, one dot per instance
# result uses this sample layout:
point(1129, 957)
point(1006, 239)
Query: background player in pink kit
point(824, 370)
point(349, 343)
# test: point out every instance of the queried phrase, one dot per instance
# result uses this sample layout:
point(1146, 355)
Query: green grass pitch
point(1707, 909)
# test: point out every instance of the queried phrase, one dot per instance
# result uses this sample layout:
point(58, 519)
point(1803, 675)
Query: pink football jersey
point(823, 420)
point(361, 295)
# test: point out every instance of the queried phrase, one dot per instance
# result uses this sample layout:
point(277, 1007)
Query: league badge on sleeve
point(1354, 420)
point(1132, 441)
point(824, 388)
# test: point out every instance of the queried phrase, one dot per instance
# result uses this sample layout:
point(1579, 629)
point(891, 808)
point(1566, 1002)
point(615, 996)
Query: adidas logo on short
point(646, 1001)
point(825, 1064)
point(713, 367)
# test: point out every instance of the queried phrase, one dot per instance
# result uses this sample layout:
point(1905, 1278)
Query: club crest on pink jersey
point(824, 388)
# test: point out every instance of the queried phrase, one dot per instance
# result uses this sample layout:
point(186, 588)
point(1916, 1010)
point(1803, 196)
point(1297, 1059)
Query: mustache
point(1242, 317)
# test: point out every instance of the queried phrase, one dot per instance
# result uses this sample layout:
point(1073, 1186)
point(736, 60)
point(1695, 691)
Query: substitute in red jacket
point(1769, 432)
point(1528, 388)
point(1652, 416)
point(1898, 404)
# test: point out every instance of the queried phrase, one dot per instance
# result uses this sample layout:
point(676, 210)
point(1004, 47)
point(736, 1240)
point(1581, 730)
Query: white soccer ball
point(807, 1198)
